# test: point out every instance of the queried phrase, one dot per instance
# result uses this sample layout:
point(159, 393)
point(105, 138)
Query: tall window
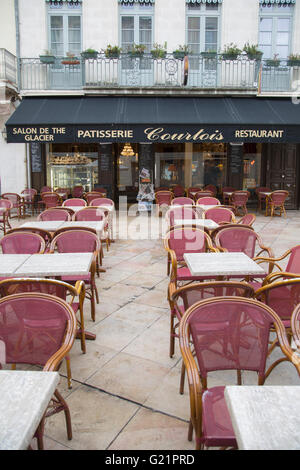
point(136, 25)
point(203, 27)
point(64, 28)
point(275, 29)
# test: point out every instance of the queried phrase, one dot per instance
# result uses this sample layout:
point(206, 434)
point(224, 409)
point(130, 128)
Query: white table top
point(265, 417)
point(221, 264)
point(264, 193)
point(98, 226)
point(204, 207)
point(56, 264)
point(206, 223)
point(10, 263)
point(50, 225)
point(24, 398)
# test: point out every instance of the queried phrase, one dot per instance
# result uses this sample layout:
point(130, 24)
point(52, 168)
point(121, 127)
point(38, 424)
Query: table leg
point(267, 206)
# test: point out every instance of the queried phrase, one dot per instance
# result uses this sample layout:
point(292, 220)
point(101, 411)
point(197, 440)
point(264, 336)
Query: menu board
point(105, 161)
point(36, 157)
point(236, 158)
point(106, 166)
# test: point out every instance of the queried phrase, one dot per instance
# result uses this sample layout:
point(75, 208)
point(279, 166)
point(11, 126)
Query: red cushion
point(184, 274)
point(217, 426)
point(85, 278)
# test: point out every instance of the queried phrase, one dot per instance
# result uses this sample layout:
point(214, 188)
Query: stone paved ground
point(125, 388)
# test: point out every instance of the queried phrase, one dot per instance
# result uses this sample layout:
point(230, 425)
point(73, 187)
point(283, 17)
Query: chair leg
point(93, 312)
point(182, 377)
point(97, 295)
point(67, 413)
point(69, 375)
point(190, 432)
point(172, 335)
point(39, 434)
point(283, 208)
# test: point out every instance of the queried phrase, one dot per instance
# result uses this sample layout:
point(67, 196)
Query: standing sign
point(36, 157)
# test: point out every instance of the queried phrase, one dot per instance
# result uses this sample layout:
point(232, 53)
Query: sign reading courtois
point(151, 133)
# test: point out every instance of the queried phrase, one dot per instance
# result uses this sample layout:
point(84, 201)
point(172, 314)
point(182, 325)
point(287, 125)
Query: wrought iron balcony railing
point(8, 67)
point(145, 71)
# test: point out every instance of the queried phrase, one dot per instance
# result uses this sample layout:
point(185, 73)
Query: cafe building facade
point(106, 142)
point(192, 120)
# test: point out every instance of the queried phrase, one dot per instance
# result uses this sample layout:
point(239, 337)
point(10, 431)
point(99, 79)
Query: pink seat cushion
point(184, 274)
point(217, 427)
point(85, 278)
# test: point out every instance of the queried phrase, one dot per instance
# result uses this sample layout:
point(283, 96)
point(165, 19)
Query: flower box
point(47, 59)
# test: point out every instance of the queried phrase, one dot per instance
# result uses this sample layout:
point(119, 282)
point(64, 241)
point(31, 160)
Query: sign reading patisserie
point(151, 133)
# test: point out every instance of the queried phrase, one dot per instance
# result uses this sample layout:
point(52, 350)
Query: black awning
point(154, 119)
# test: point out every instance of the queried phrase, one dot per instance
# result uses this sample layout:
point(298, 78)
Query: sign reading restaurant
point(153, 133)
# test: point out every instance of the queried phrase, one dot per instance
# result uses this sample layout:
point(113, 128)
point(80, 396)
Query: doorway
point(283, 170)
point(127, 171)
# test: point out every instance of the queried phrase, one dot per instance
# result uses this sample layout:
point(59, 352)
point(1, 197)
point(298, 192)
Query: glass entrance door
point(127, 171)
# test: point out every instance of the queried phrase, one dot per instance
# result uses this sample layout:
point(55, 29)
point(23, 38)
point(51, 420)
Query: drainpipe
point(18, 55)
point(17, 21)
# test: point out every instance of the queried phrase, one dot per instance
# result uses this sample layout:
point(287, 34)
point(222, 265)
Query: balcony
point(159, 75)
point(8, 68)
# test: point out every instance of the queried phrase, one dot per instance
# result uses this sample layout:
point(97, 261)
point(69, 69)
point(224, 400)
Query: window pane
point(74, 35)
point(265, 38)
point(193, 23)
point(145, 34)
point(56, 22)
point(56, 35)
point(193, 37)
point(145, 37)
point(282, 38)
point(211, 37)
point(267, 51)
point(266, 24)
point(283, 24)
point(127, 22)
point(127, 37)
point(74, 21)
point(282, 51)
point(211, 23)
point(127, 33)
point(145, 23)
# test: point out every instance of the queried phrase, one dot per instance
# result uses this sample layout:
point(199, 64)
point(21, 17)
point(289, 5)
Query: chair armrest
point(271, 261)
point(173, 260)
point(273, 277)
point(80, 287)
point(220, 249)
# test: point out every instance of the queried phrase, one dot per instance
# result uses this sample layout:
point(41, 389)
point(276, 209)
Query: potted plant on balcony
point(159, 51)
point(230, 52)
point(112, 52)
point(293, 60)
point(252, 51)
point(275, 62)
point(70, 59)
point(181, 52)
point(89, 54)
point(47, 57)
point(137, 50)
point(209, 54)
